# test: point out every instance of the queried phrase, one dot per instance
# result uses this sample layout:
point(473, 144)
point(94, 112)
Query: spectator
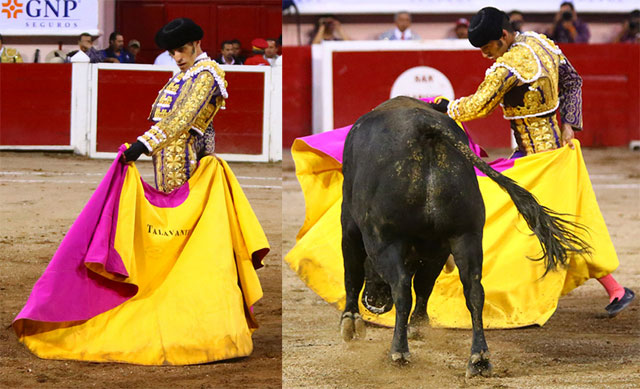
point(165, 58)
point(630, 32)
point(85, 44)
point(329, 29)
point(462, 28)
point(258, 46)
point(271, 52)
point(226, 54)
point(8, 54)
point(133, 48)
point(517, 20)
point(237, 52)
point(279, 45)
point(116, 53)
point(567, 28)
point(402, 31)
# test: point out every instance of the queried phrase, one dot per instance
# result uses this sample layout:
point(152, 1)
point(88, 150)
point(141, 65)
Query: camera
point(567, 16)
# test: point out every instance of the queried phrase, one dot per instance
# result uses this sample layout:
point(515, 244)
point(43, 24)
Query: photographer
point(630, 29)
point(567, 28)
point(329, 29)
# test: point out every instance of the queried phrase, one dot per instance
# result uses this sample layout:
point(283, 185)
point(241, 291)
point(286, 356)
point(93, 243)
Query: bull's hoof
point(479, 365)
point(377, 305)
point(361, 331)
point(352, 326)
point(401, 358)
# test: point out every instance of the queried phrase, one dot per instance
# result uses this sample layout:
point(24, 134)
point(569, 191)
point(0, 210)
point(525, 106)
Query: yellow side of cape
point(516, 295)
point(193, 267)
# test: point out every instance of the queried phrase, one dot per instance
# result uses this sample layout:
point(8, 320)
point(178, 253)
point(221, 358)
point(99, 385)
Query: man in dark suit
point(226, 54)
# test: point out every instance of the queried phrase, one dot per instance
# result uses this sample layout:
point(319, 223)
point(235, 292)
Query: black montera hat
point(486, 26)
point(178, 32)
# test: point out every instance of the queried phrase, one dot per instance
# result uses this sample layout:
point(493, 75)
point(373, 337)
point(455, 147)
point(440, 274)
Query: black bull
point(411, 198)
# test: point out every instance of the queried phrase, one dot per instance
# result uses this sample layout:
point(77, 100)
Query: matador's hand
point(133, 152)
point(568, 135)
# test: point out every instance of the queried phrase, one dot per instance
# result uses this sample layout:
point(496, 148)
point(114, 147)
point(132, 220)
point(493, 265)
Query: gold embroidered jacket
point(183, 112)
point(531, 81)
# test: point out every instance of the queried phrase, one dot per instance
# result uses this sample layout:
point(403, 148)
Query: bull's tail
point(556, 235)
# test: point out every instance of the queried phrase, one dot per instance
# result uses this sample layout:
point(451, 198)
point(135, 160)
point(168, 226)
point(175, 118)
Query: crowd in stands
point(566, 27)
point(115, 53)
point(265, 52)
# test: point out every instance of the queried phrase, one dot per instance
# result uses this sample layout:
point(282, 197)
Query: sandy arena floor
point(42, 193)
point(578, 348)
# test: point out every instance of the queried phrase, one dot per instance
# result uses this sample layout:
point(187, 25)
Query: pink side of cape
point(68, 290)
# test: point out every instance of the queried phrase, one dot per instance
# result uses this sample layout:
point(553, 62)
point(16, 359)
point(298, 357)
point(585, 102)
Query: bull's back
point(399, 170)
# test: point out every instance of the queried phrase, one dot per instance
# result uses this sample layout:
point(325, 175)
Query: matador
point(182, 113)
point(532, 80)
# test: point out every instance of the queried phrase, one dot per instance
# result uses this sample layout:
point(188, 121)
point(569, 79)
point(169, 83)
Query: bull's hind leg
point(467, 253)
point(354, 255)
point(390, 263)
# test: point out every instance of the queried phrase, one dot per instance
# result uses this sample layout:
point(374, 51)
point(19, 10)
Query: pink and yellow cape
point(516, 295)
point(151, 278)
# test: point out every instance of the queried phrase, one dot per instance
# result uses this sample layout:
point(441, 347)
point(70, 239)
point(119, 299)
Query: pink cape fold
point(68, 290)
point(331, 143)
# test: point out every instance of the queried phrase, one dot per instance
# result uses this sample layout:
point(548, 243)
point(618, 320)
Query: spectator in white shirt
point(402, 30)
point(165, 59)
point(271, 52)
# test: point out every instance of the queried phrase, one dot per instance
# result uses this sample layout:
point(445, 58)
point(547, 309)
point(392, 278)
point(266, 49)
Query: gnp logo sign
point(422, 82)
point(48, 17)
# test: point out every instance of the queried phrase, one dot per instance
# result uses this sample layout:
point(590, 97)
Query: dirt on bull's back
point(579, 347)
point(38, 206)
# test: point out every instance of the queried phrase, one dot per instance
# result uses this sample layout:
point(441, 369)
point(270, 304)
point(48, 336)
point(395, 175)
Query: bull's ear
point(441, 98)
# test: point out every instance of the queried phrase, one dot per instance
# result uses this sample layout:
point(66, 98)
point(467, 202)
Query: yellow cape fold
point(516, 294)
point(193, 265)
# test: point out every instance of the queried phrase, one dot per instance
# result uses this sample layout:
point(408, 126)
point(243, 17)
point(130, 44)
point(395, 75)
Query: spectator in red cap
point(258, 47)
point(462, 28)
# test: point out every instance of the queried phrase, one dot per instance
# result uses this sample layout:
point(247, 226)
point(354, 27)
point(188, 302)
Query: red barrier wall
point(240, 126)
point(296, 93)
point(125, 98)
point(220, 19)
point(124, 102)
point(362, 80)
point(611, 89)
point(610, 92)
point(35, 107)
point(35, 104)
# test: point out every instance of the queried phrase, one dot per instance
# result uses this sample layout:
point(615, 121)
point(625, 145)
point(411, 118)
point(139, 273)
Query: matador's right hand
point(134, 151)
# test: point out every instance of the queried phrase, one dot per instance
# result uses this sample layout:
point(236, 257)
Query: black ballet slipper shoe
point(617, 305)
